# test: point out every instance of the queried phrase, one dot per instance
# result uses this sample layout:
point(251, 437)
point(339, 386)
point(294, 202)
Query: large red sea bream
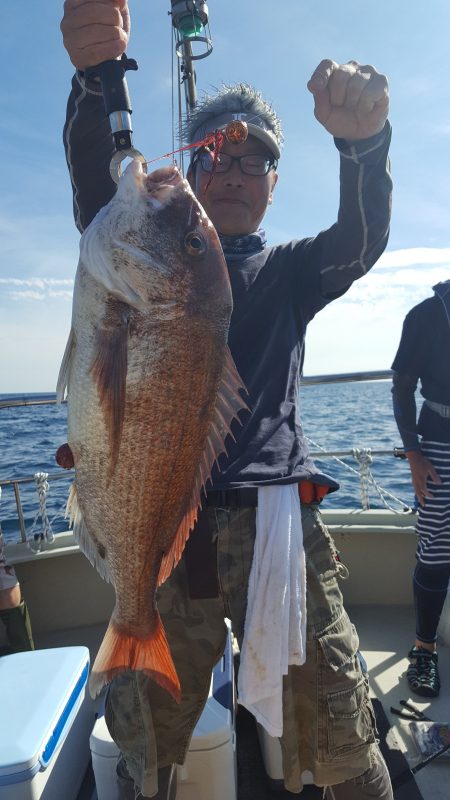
point(152, 390)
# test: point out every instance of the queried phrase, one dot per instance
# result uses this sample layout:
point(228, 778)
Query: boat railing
point(16, 483)
point(15, 400)
point(363, 456)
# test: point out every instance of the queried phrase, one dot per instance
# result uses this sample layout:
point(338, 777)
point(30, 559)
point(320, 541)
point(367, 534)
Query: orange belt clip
point(310, 492)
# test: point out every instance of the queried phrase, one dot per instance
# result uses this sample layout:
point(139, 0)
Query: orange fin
point(109, 371)
point(120, 651)
point(229, 403)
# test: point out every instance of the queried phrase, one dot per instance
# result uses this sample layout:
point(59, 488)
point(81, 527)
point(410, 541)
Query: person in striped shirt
point(424, 354)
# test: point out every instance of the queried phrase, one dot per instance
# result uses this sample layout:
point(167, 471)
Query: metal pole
point(189, 76)
point(23, 531)
point(191, 22)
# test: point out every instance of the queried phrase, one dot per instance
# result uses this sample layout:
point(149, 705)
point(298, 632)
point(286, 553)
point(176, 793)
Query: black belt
point(246, 497)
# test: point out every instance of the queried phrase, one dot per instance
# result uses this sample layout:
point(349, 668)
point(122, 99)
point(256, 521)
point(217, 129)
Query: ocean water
point(339, 417)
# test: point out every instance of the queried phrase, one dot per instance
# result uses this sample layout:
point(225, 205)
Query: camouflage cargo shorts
point(329, 725)
point(8, 577)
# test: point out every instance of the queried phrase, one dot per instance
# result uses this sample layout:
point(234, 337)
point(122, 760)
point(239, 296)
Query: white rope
point(36, 539)
point(364, 459)
point(381, 491)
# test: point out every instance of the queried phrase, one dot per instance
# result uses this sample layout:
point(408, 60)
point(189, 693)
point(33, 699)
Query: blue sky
point(275, 46)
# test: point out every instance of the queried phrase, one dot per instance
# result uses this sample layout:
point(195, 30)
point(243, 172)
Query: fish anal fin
point(120, 651)
point(172, 557)
point(229, 403)
point(109, 372)
point(92, 548)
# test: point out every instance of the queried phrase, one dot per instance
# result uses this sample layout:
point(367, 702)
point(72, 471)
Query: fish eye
point(194, 243)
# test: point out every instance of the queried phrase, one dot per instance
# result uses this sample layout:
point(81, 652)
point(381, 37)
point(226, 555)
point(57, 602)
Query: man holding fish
point(194, 492)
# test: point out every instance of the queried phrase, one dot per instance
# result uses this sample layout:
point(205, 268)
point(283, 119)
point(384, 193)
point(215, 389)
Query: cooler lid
point(41, 693)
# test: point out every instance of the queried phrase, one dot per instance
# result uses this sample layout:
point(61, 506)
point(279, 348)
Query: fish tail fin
point(120, 651)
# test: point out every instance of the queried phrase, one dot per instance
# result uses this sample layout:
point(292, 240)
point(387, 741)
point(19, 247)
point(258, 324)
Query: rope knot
point(364, 458)
point(36, 538)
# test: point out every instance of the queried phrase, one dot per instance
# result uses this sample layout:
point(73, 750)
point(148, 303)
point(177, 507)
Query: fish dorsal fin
point(109, 372)
point(64, 371)
point(229, 403)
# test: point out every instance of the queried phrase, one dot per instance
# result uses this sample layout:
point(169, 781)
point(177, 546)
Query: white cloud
point(64, 295)
point(361, 331)
point(40, 283)
point(26, 295)
point(414, 256)
point(35, 289)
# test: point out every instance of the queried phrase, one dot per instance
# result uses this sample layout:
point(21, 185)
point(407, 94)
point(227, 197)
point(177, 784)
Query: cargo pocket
point(350, 723)
point(324, 549)
point(349, 717)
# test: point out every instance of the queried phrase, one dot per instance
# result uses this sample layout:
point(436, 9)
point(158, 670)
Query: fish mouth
point(163, 176)
point(162, 184)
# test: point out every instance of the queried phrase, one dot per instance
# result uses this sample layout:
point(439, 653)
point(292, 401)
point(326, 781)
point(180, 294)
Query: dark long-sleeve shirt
point(276, 290)
point(423, 354)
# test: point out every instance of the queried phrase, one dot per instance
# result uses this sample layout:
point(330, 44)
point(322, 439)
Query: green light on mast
point(190, 26)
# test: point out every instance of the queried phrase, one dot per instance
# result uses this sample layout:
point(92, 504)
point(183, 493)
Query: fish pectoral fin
point(229, 403)
point(109, 372)
point(64, 371)
point(120, 651)
point(94, 550)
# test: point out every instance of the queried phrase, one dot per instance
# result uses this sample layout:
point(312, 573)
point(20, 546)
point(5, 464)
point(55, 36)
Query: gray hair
point(238, 101)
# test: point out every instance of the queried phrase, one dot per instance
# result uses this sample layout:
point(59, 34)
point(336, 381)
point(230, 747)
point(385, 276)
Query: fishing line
point(215, 138)
point(180, 108)
point(172, 76)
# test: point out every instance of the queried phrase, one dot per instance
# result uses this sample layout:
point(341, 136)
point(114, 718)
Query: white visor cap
point(256, 128)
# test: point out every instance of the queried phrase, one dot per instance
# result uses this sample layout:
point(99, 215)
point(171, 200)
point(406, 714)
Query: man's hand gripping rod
point(118, 108)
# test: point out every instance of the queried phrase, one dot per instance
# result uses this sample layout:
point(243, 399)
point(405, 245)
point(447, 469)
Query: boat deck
point(386, 634)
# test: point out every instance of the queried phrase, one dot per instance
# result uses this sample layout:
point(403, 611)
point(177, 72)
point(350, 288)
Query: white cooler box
point(209, 772)
point(273, 760)
point(46, 719)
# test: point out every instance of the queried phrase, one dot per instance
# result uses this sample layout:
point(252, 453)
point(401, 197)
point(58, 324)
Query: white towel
point(275, 623)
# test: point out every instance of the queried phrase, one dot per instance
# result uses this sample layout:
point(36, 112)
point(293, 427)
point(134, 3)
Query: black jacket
point(276, 291)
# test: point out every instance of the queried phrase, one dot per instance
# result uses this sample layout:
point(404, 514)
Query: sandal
point(422, 673)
